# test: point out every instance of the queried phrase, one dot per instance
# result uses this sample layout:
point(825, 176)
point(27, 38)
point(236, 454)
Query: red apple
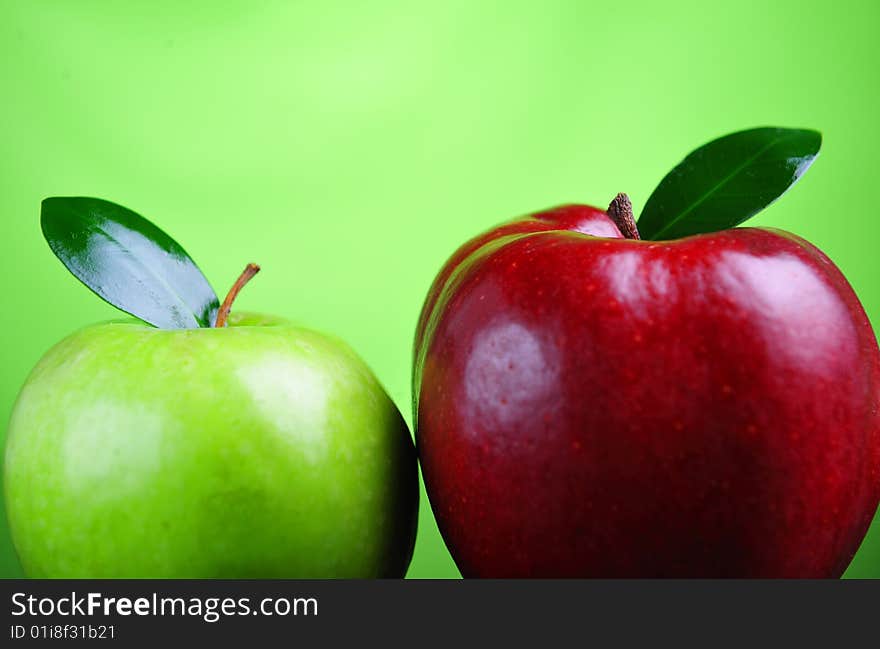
point(598, 406)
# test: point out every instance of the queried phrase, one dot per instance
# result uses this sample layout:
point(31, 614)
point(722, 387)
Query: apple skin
point(261, 450)
point(594, 406)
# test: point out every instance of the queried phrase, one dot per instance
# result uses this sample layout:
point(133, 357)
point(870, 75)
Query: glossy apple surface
point(597, 406)
point(260, 450)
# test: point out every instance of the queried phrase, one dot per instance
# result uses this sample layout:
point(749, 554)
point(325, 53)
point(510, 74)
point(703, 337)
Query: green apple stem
point(223, 314)
point(621, 212)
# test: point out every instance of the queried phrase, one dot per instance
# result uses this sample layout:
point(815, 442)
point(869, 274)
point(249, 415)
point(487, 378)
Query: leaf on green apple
point(728, 180)
point(129, 262)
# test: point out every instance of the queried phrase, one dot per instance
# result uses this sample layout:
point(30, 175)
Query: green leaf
point(728, 180)
point(129, 262)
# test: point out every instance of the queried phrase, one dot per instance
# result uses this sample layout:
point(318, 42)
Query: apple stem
point(223, 314)
point(621, 212)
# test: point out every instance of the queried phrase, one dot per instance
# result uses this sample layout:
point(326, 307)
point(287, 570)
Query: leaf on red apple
point(129, 262)
point(728, 180)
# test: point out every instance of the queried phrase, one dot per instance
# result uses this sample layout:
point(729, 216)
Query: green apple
point(259, 450)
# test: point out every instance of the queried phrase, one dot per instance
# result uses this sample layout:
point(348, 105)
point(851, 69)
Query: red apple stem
point(621, 212)
point(223, 314)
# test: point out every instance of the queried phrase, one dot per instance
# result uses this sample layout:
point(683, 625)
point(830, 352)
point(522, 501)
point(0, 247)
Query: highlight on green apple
point(196, 441)
point(673, 397)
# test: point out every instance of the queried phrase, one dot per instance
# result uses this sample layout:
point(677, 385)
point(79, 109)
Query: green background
point(350, 147)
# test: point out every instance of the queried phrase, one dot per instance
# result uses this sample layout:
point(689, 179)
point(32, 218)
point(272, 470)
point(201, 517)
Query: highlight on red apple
point(596, 396)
